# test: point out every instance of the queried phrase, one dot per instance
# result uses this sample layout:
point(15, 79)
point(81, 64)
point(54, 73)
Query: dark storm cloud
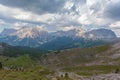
point(36, 6)
point(112, 11)
point(41, 6)
point(11, 20)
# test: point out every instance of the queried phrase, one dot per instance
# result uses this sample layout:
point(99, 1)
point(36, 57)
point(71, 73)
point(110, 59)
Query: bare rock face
point(103, 34)
point(8, 31)
point(36, 36)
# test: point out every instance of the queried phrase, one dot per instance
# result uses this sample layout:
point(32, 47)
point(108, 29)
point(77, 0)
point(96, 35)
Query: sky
point(55, 15)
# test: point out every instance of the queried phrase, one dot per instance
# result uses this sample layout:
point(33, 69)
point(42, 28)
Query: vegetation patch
point(92, 70)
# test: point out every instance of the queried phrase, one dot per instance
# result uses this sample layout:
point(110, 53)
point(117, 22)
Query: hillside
point(63, 43)
point(20, 63)
point(101, 59)
point(85, 63)
point(15, 51)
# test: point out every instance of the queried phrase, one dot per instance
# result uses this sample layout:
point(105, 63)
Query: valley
point(77, 63)
point(64, 57)
point(59, 39)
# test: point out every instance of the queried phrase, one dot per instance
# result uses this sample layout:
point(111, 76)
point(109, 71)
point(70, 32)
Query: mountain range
point(38, 37)
point(79, 63)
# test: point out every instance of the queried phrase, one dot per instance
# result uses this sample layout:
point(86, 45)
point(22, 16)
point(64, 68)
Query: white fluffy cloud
point(115, 24)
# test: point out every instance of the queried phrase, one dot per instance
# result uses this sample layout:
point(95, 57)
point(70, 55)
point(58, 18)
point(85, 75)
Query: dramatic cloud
point(112, 11)
point(36, 6)
point(40, 6)
point(60, 14)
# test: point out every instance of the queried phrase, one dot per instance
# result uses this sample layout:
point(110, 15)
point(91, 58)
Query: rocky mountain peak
point(8, 31)
point(100, 34)
point(29, 32)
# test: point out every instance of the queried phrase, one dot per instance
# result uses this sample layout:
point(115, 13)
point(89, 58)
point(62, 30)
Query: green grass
point(33, 73)
point(22, 61)
point(65, 59)
point(102, 48)
point(92, 70)
point(29, 71)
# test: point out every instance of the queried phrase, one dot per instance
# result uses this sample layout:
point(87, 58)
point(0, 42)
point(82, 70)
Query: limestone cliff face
point(100, 34)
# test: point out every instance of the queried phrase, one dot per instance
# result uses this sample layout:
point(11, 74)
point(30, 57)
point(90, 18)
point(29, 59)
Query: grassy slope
point(29, 71)
point(74, 57)
point(92, 70)
point(85, 61)
point(14, 58)
point(36, 73)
